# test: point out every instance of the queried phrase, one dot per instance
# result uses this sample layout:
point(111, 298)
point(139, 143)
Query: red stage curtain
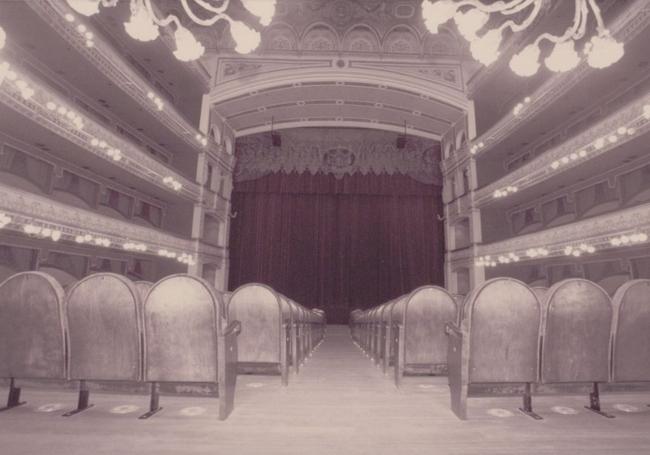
point(337, 244)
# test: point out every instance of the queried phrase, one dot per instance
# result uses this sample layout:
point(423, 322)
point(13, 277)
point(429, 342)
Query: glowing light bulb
point(141, 25)
point(470, 22)
point(264, 9)
point(563, 57)
point(526, 62)
point(246, 38)
point(84, 7)
point(437, 13)
point(187, 46)
point(486, 48)
point(603, 51)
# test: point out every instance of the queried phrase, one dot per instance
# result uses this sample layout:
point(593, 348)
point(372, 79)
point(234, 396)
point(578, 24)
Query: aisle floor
point(340, 403)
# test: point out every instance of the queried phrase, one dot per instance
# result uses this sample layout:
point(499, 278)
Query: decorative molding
point(60, 165)
point(134, 160)
point(626, 27)
point(234, 68)
point(539, 169)
point(335, 78)
point(39, 208)
point(595, 230)
point(114, 66)
point(339, 153)
point(612, 176)
point(371, 27)
point(282, 71)
point(449, 75)
point(81, 99)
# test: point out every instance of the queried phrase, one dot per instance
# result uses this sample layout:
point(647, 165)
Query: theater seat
point(264, 340)
point(104, 320)
point(576, 337)
point(631, 332)
point(32, 337)
point(496, 346)
point(187, 339)
point(420, 326)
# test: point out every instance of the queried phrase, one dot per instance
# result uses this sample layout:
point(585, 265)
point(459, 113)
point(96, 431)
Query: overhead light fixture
point(143, 25)
point(473, 16)
point(3, 38)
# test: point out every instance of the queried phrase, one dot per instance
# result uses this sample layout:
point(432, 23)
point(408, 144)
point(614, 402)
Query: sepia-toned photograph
point(323, 227)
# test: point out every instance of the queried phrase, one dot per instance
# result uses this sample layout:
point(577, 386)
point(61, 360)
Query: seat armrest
point(453, 329)
point(233, 327)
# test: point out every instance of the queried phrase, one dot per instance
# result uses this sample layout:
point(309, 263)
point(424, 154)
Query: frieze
point(338, 152)
point(449, 75)
point(233, 68)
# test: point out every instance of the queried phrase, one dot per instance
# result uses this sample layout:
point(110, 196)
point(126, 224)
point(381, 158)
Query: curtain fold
point(337, 244)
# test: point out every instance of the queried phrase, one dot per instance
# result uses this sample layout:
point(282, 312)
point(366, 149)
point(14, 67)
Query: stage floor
point(340, 403)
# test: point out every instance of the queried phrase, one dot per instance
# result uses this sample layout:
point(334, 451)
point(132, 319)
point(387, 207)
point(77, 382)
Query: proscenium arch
point(249, 86)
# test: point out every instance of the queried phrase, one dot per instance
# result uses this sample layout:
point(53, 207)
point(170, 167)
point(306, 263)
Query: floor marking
point(426, 386)
point(255, 385)
point(497, 412)
point(564, 410)
point(192, 411)
point(50, 407)
point(626, 407)
point(124, 409)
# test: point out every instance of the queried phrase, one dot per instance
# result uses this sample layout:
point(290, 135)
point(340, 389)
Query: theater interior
point(324, 226)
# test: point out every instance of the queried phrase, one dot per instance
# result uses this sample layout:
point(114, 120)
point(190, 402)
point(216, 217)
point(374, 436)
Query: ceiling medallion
point(472, 17)
point(144, 23)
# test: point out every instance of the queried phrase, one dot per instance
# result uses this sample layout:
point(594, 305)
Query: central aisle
point(340, 403)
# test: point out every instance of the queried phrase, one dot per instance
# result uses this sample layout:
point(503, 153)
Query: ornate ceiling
point(352, 63)
point(365, 26)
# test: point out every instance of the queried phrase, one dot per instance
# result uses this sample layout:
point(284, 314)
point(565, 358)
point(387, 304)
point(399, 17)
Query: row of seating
point(507, 338)
point(105, 328)
point(406, 332)
point(277, 332)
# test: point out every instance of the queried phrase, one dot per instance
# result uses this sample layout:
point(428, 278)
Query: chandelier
point(472, 16)
point(144, 22)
